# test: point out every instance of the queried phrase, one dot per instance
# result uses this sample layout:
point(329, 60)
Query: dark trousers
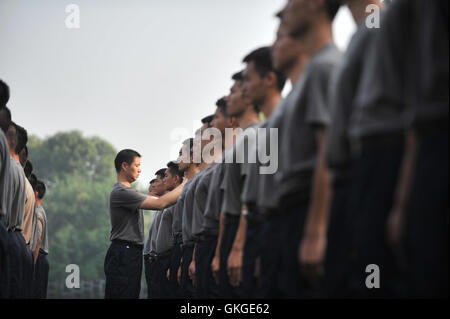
point(123, 270)
point(149, 271)
point(160, 281)
point(339, 237)
point(187, 288)
point(40, 281)
point(206, 287)
point(18, 262)
point(4, 264)
point(28, 272)
point(225, 289)
point(427, 243)
point(252, 251)
point(375, 177)
point(280, 270)
point(175, 259)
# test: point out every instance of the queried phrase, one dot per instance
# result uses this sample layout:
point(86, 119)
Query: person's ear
point(271, 79)
point(124, 166)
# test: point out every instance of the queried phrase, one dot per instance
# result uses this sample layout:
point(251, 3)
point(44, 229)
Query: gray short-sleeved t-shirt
point(267, 196)
point(379, 106)
point(188, 211)
point(40, 229)
point(428, 64)
point(4, 175)
point(151, 230)
point(235, 172)
point(213, 205)
point(157, 223)
point(251, 171)
point(343, 88)
point(127, 220)
point(200, 197)
point(178, 211)
point(300, 121)
point(164, 238)
point(17, 196)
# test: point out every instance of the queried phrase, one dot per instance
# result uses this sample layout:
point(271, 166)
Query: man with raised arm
point(123, 261)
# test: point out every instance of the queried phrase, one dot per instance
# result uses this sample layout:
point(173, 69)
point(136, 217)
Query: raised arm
point(159, 203)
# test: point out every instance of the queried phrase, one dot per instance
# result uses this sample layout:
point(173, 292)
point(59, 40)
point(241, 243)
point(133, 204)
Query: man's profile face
point(159, 187)
point(285, 49)
point(134, 170)
point(150, 188)
point(253, 86)
point(184, 158)
point(236, 104)
point(169, 180)
point(219, 121)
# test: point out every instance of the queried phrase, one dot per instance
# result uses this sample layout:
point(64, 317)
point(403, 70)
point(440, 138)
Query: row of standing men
point(358, 204)
point(23, 223)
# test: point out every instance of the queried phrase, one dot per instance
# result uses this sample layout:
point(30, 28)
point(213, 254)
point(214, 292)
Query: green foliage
point(79, 173)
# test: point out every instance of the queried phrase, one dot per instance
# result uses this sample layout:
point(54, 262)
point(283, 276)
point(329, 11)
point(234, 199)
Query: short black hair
point(4, 93)
point(22, 138)
point(32, 179)
point(208, 119)
point(28, 169)
point(23, 156)
point(125, 156)
point(262, 59)
point(161, 172)
point(279, 14)
point(332, 7)
point(5, 118)
point(172, 168)
point(222, 105)
point(40, 189)
point(152, 181)
point(238, 76)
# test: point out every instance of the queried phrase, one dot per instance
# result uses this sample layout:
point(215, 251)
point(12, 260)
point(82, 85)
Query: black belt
point(368, 143)
point(127, 243)
point(231, 219)
point(207, 236)
point(187, 245)
point(150, 257)
point(41, 252)
point(165, 254)
point(254, 217)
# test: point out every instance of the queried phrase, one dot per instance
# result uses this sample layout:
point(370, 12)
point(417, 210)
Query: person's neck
point(123, 180)
point(270, 103)
point(38, 202)
point(358, 9)
point(14, 156)
point(247, 118)
point(203, 166)
point(297, 68)
point(318, 37)
point(192, 171)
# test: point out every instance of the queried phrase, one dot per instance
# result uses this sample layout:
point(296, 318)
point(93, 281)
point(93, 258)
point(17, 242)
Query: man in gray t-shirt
point(4, 187)
point(303, 125)
point(123, 261)
point(40, 242)
point(19, 257)
point(343, 89)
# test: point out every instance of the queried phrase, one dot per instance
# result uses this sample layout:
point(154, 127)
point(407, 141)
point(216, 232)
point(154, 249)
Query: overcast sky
point(136, 73)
